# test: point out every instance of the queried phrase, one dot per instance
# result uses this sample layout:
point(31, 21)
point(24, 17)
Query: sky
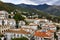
point(34, 2)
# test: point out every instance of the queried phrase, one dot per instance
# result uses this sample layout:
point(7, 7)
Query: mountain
point(33, 10)
point(40, 7)
point(51, 9)
point(24, 10)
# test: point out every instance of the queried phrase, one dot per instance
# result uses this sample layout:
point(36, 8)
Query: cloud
point(20, 1)
point(44, 1)
point(34, 2)
point(57, 3)
point(10, 1)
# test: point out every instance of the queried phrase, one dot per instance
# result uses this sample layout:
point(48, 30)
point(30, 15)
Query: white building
point(0, 22)
point(4, 28)
point(29, 30)
point(3, 17)
point(21, 23)
point(31, 25)
point(16, 33)
point(5, 22)
point(3, 14)
point(12, 23)
point(49, 27)
point(37, 21)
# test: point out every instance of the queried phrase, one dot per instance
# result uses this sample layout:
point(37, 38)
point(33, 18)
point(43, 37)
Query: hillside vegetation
point(28, 11)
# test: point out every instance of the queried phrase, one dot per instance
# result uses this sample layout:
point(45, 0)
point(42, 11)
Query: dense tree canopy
point(22, 38)
point(18, 17)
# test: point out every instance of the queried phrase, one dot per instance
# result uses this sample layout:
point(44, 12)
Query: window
point(17, 35)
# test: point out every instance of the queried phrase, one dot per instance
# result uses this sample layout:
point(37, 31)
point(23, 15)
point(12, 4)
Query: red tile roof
point(19, 31)
point(42, 34)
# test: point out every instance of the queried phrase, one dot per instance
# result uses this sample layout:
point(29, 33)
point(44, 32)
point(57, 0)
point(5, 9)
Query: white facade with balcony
point(3, 14)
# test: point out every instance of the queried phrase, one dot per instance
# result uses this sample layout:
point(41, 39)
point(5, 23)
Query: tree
point(57, 28)
point(55, 36)
point(18, 17)
point(39, 27)
point(22, 38)
point(1, 35)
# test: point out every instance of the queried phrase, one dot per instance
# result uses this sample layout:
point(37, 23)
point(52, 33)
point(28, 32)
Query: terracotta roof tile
point(42, 34)
point(20, 31)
